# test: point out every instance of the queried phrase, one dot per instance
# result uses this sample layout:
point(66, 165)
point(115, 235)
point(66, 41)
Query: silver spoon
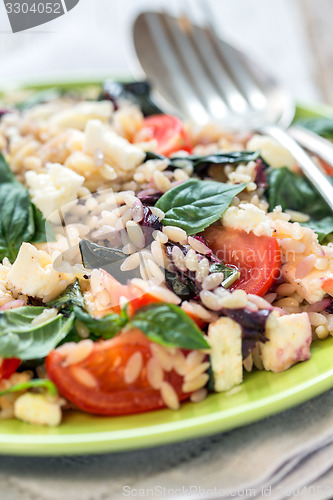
point(206, 79)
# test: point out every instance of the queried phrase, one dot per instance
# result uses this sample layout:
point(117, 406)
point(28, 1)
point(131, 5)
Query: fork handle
point(312, 142)
point(315, 175)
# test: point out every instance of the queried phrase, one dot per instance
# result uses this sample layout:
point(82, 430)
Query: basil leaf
point(323, 227)
point(20, 220)
point(20, 339)
point(231, 274)
point(201, 164)
point(110, 259)
point(136, 92)
point(69, 298)
point(107, 326)
point(168, 325)
point(320, 126)
point(180, 284)
point(43, 229)
point(6, 175)
point(195, 205)
point(16, 219)
point(32, 384)
point(294, 192)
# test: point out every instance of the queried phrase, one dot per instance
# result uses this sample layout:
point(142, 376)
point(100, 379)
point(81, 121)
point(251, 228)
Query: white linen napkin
point(286, 453)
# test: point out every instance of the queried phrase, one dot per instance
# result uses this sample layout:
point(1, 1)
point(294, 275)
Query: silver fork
point(206, 79)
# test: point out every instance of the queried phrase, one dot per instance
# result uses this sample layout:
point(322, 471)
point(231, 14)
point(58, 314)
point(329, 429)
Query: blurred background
point(291, 37)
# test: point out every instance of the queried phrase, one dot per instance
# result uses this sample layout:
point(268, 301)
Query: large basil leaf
point(20, 339)
point(201, 164)
point(16, 219)
point(195, 205)
point(43, 229)
point(168, 325)
point(20, 220)
point(6, 175)
point(292, 191)
point(110, 259)
point(107, 326)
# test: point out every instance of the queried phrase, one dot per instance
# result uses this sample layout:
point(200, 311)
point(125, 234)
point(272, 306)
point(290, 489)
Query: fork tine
point(234, 62)
point(241, 72)
point(176, 87)
point(192, 64)
point(222, 81)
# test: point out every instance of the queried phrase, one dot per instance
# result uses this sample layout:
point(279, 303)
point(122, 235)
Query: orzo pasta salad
point(146, 262)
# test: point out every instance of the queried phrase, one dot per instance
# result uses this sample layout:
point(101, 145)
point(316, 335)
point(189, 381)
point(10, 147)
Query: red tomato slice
point(138, 299)
point(168, 131)
point(8, 366)
point(110, 394)
point(258, 258)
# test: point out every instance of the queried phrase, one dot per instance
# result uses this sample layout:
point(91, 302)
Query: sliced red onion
point(319, 306)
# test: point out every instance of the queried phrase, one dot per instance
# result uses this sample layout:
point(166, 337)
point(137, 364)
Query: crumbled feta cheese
point(49, 191)
point(77, 116)
point(225, 339)
point(271, 151)
point(289, 341)
point(38, 409)
point(117, 150)
point(247, 217)
point(312, 287)
point(296, 243)
point(33, 274)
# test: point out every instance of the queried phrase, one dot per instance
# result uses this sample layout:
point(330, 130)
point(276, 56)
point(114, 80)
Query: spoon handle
point(315, 175)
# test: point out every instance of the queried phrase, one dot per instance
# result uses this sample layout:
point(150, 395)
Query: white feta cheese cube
point(119, 152)
point(271, 151)
point(225, 339)
point(38, 409)
point(289, 341)
point(247, 217)
point(50, 191)
point(33, 274)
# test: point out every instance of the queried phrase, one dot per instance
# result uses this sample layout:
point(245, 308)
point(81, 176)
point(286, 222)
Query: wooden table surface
point(292, 37)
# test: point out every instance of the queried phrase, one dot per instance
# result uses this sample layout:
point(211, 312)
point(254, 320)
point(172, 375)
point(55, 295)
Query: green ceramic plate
point(262, 394)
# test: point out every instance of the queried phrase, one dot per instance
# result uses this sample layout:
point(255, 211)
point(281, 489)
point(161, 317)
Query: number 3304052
point(35, 8)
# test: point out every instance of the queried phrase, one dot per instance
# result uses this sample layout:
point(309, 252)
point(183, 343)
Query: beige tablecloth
point(289, 455)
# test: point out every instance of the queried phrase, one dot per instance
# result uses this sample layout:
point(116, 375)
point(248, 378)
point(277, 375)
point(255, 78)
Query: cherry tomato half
point(168, 131)
point(97, 384)
point(8, 366)
point(257, 258)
